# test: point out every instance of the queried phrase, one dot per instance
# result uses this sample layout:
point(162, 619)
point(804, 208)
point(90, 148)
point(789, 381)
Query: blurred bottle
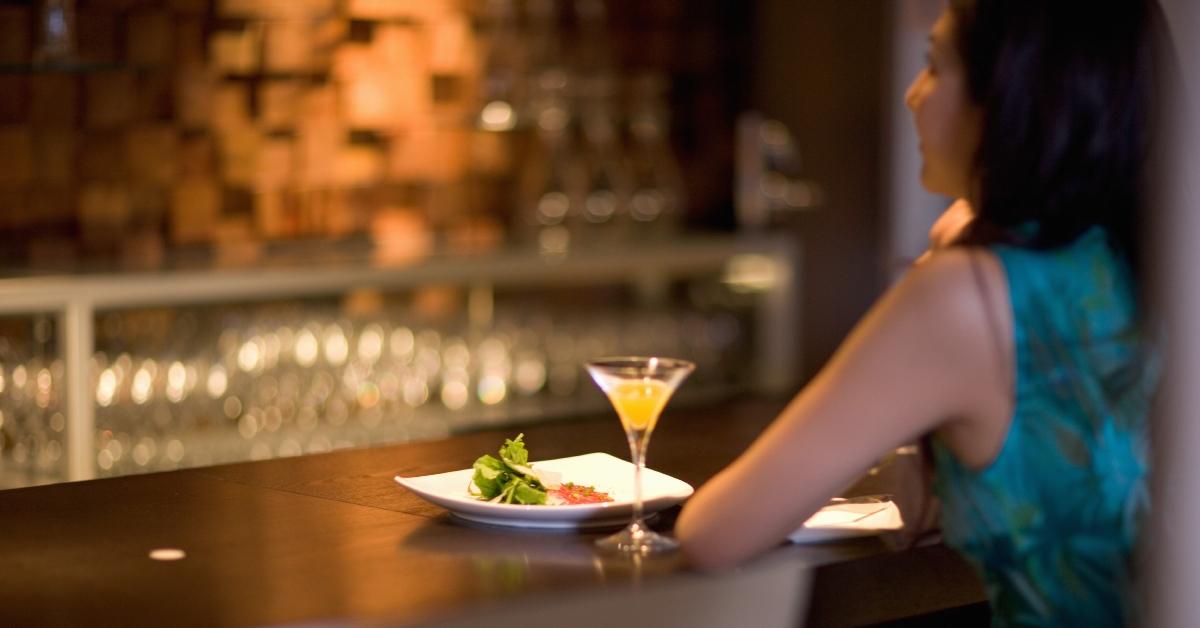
point(549, 197)
point(502, 89)
point(544, 38)
point(605, 179)
point(56, 31)
point(593, 55)
point(657, 198)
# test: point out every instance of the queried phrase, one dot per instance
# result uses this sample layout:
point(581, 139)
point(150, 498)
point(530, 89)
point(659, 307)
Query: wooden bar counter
point(332, 540)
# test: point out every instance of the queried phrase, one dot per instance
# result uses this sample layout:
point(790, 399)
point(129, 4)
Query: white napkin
point(842, 520)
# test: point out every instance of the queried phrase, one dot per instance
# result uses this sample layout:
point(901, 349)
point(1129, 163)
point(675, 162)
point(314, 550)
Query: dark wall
point(820, 68)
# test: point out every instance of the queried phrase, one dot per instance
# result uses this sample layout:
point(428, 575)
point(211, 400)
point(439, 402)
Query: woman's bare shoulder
point(955, 272)
point(960, 289)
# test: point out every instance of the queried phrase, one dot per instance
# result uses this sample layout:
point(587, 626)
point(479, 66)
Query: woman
point(1020, 349)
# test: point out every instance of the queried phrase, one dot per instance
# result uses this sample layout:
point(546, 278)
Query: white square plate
point(606, 473)
point(846, 520)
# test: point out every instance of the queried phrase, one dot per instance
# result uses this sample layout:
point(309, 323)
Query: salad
point(512, 479)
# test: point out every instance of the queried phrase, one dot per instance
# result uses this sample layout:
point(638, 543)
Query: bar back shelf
point(764, 270)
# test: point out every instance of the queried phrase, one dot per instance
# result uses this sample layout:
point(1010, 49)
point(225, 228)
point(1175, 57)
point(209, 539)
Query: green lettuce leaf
point(525, 493)
point(490, 476)
point(514, 452)
point(510, 478)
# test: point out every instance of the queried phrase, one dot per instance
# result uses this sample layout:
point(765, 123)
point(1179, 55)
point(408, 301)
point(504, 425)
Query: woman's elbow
point(705, 544)
point(707, 558)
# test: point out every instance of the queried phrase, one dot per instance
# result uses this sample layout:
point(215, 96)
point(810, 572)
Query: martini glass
point(638, 388)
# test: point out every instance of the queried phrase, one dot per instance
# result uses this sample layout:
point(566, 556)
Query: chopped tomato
point(570, 493)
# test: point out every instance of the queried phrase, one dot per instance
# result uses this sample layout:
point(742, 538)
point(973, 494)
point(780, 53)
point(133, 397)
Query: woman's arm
point(920, 360)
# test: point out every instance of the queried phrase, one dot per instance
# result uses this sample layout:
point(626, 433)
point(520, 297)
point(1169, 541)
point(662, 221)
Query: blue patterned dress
point(1052, 522)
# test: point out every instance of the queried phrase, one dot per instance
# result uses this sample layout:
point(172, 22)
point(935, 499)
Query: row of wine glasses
point(32, 414)
point(213, 385)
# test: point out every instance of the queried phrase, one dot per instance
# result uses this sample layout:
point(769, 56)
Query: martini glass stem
point(637, 451)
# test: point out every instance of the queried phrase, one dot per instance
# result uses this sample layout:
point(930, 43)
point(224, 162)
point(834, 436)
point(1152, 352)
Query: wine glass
point(638, 388)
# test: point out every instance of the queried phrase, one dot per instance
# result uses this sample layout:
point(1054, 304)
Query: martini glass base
point(637, 539)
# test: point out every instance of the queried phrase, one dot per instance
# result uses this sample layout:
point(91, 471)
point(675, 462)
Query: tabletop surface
point(333, 538)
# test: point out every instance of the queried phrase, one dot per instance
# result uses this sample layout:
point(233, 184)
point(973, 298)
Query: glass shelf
point(319, 269)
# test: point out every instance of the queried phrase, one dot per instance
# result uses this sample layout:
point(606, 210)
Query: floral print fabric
point(1051, 523)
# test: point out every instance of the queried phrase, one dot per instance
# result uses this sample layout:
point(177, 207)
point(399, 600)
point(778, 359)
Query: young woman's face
point(948, 124)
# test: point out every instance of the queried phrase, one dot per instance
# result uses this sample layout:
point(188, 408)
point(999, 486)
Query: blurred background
point(137, 132)
point(505, 187)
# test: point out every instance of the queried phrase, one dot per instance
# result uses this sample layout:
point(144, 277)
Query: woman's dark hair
point(1068, 93)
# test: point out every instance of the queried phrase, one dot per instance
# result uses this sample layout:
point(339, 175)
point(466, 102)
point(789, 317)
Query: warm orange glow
point(167, 554)
point(400, 236)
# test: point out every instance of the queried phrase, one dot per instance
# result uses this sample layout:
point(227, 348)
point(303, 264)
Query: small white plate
point(606, 473)
point(846, 520)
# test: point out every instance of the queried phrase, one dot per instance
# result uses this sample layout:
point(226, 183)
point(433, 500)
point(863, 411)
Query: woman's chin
point(935, 186)
point(928, 183)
